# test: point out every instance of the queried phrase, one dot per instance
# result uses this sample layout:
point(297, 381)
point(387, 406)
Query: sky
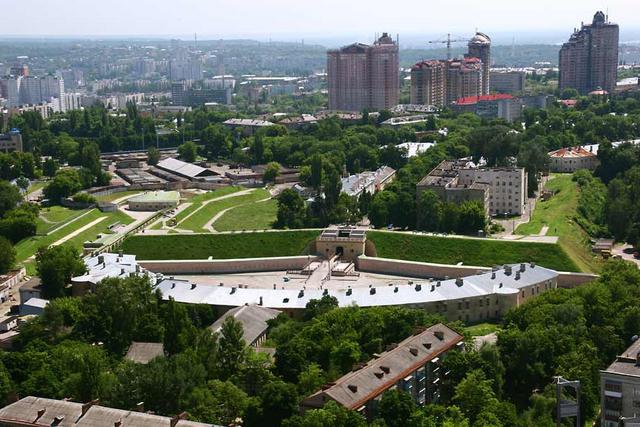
point(312, 20)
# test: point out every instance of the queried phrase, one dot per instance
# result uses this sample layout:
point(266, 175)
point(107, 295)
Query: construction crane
point(448, 42)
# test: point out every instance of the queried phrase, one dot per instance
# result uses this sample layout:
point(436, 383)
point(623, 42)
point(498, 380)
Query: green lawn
point(196, 201)
point(220, 246)
point(197, 221)
point(115, 196)
point(558, 214)
point(56, 216)
point(252, 216)
point(482, 329)
point(28, 246)
point(478, 252)
point(35, 186)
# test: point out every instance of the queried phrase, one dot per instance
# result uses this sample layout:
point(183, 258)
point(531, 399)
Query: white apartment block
point(507, 188)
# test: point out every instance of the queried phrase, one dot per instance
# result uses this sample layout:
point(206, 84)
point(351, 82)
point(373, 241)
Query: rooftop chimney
point(352, 387)
point(523, 266)
point(459, 281)
point(517, 275)
point(180, 416)
point(385, 369)
point(379, 375)
point(372, 291)
point(427, 345)
point(260, 301)
point(439, 335)
point(413, 351)
point(507, 270)
point(40, 413)
point(86, 406)
point(418, 287)
point(193, 286)
point(493, 274)
point(120, 253)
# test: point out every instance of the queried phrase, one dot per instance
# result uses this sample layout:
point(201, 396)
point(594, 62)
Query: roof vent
point(439, 335)
point(427, 345)
point(433, 288)
point(325, 292)
point(173, 285)
point(523, 267)
point(413, 351)
point(517, 275)
point(500, 286)
point(40, 413)
point(507, 270)
point(385, 369)
point(459, 281)
point(353, 388)
point(118, 423)
point(86, 406)
point(285, 300)
point(395, 290)
point(233, 291)
point(301, 293)
point(379, 375)
point(532, 264)
point(493, 274)
point(438, 283)
point(57, 420)
point(418, 287)
point(193, 286)
point(349, 291)
point(372, 291)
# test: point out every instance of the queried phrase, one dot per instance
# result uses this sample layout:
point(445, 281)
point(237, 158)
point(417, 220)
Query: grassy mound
point(479, 252)
point(219, 246)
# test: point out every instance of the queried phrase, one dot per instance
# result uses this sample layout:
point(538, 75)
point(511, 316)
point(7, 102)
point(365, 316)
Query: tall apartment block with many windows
point(589, 60)
point(364, 76)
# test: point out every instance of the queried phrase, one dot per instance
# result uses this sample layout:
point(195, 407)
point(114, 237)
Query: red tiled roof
point(469, 100)
point(571, 152)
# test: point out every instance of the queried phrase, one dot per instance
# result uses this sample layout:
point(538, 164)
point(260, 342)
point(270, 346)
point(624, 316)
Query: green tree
point(331, 415)
point(153, 156)
point(179, 332)
point(56, 266)
point(7, 255)
point(64, 184)
point(429, 211)
point(271, 172)
point(291, 210)
point(473, 217)
point(50, 167)
point(317, 307)
point(22, 183)
point(9, 197)
point(232, 348)
point(396, 407)
point(474, 395)
point(219, 402)
point(188, 152)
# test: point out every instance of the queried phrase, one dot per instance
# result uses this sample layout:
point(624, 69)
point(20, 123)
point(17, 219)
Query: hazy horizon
point(329, 22)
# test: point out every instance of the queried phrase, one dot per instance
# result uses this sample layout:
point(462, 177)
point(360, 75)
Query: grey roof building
point(184, 169)
point(620, 387)
point(37, 411)
point(412, 366)
point(253, 319)
point(144, 352)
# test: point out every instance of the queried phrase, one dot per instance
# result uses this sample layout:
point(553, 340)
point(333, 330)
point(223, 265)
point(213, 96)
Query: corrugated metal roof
point(144, 352)
point(182, 168)
point(253, 319)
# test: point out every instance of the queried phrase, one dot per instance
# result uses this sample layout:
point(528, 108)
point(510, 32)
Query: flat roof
point(156, 196)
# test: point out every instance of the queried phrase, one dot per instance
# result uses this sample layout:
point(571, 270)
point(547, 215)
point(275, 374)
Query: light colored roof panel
point(253, 319)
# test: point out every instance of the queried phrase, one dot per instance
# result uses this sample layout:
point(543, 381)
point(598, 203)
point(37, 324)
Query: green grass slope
point(219, 246)
point(478, 252)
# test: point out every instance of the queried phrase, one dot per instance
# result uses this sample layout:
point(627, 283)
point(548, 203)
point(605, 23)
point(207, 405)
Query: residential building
point(502, 106)
point(620, 387)
point(248, 126)
point(480, 47)
point(428, 83)
point(589, 60)
point(38, 411)
point(506, 81)
point(33, 307)
point(413, 366)
point(369, 181)
point(500, 190)
point(440, 82)
point(253, 319)
point(104, 266)
point(31, 289)
point(185, 69)
point(184, 169)
point(364, 76)
point(571, 159)
point(11, 141)
point(154, 201)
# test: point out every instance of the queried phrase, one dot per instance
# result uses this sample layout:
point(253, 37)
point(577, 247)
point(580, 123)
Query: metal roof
point(156, 196)
point(64, 413)
point(144, 352)
point(179, 167)
point(108, 265)
point(382, 372)
point(253, 319)
point(506, 280)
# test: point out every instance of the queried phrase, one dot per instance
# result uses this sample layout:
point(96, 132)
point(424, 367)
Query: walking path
point(206, 202)
point(69, 222)
point(209, 225)
point(74, 234)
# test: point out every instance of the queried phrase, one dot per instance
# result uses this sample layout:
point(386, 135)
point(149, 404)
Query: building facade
point(428, 83)
point(569, 160)
point(589, 60)
point(620, 388)
point(364, 76)
point(510, 82)
point(11, 141)
point(500, 190)
point(480, 47)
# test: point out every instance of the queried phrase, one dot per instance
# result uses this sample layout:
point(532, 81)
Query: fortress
point(343, 266)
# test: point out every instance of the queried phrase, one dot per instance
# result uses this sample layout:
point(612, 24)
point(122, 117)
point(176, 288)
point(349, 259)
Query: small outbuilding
point(154, 201)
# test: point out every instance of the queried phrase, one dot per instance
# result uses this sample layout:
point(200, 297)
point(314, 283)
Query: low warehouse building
point(155, 201)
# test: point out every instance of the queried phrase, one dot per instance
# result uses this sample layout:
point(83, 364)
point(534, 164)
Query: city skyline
point(212, 19)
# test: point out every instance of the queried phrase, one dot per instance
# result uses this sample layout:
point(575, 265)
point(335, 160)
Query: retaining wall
point(227, 266)
point(416, 269)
